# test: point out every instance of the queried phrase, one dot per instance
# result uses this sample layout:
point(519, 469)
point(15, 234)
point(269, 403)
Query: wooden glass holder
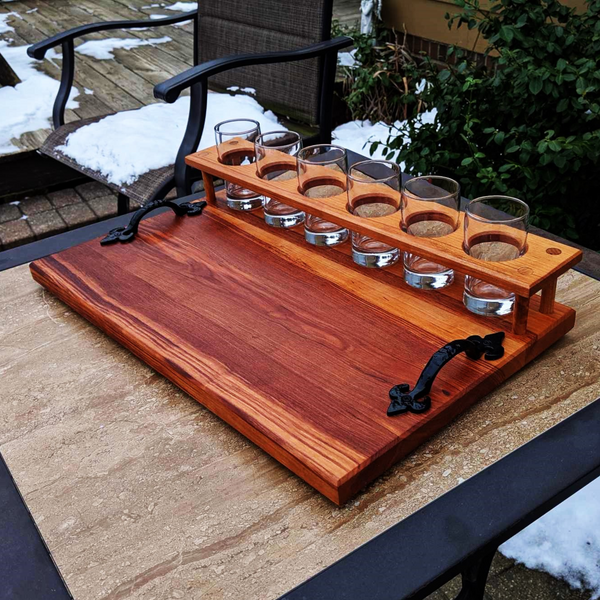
point(538, 269)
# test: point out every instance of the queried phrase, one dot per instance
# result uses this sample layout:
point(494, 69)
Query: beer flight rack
point(538, 269)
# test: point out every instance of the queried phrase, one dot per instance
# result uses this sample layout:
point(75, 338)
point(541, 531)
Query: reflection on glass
point(430, 209)
point(496, 231)
point(373, 192)
point(271, 164)
point(230, 137)
point(322, 174)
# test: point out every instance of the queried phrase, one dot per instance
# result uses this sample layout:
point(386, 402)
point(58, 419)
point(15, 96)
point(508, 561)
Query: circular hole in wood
point(554, 251)
point(236, 157)
point(276, 170)
point(322, 187)
point(372, 205)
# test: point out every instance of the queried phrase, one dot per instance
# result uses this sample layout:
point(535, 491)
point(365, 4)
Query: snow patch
point(347, 59)
point(565, 542)
point(182, 6)
point(246, 90)
point(125, 145)
point(4, 26)
point(52, 55)
point(103, 49)
point(359, 135)
point(28, 105)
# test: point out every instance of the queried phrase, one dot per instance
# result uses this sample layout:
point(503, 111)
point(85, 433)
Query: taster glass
point(430, 209)
point(373, 192)
point(495, 230)
point(230, 136)
point(271, 164)
point(322, 174)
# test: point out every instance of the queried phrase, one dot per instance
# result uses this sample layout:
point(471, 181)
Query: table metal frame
point(457, 533)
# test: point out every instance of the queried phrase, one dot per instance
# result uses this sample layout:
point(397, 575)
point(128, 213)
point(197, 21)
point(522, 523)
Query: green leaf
point(554, 146)
point(560, 161)
point(499, 137)
point(506, 33)
point(561, 64)
point(535, 85)
point(562, 105)
point(444, 75)
point(467, 161)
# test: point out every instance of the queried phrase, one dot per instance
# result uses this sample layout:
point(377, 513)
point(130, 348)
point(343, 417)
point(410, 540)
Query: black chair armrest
point(170, 90)
point(39, 50)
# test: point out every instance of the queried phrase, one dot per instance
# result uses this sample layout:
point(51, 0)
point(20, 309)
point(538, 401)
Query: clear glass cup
point(322, 174)
point(495, 230)
point(430, 209)
point(273, 164)
point(373, 192)
point(229, 136)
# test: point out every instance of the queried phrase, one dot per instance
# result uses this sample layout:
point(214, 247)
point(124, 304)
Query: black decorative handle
point(417, 400)
point(126, 234)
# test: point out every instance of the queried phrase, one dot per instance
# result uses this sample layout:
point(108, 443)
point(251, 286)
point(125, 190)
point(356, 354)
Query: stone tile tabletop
point(141, 493)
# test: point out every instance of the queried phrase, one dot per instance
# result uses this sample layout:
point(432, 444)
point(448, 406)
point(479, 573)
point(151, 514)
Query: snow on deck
point(126, 81)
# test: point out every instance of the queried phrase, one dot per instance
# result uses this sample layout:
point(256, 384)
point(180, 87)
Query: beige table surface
point(142, 493)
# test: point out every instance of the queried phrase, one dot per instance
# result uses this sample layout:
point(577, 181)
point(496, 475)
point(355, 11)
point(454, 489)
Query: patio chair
point(287, 57)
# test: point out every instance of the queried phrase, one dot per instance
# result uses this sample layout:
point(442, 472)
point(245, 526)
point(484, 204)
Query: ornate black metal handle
point(126, 234)
point(417, 400)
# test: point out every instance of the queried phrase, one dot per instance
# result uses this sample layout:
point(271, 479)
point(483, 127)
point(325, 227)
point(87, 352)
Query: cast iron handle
point(417, 400)
point(126, 234)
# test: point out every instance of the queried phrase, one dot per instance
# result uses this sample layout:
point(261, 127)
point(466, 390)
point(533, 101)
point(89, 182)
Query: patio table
point(140, 492)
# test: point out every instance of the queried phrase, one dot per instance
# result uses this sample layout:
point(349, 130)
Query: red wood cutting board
point(294, 346)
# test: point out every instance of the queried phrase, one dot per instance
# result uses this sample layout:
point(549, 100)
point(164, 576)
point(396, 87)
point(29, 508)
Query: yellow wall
point(425, 18)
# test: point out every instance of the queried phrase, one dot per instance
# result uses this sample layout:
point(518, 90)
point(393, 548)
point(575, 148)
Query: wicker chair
point(281, 49)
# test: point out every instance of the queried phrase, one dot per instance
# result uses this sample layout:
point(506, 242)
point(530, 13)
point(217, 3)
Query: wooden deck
point(127, 81)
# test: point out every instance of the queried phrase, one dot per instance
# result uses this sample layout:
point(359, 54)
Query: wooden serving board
point(294, 346)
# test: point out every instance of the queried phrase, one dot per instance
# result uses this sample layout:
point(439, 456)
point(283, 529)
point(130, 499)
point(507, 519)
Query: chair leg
point(474, 578)
point(122, 204)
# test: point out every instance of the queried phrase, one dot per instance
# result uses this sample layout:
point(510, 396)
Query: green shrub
point(382, 87)
point(528, 126)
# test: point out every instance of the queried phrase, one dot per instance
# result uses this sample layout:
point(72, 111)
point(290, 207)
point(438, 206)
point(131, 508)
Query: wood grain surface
point(543, 262)
point(293, 346)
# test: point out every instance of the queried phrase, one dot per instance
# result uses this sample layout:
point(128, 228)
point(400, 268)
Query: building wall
point(425, 19)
